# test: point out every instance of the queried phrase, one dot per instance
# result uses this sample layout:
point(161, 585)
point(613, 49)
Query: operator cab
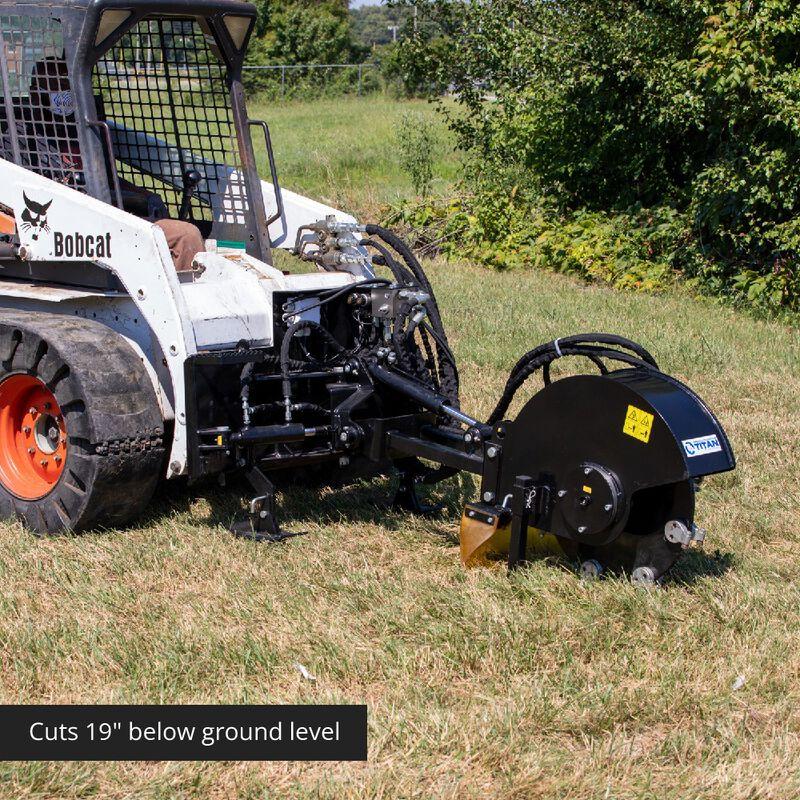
point(140, 105)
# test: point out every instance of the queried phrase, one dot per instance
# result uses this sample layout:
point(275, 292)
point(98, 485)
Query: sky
point(359, 3)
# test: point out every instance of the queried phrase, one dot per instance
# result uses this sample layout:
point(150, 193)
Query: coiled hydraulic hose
point(594, 346)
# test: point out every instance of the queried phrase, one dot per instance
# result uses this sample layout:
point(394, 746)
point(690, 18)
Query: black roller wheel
point(81, 433)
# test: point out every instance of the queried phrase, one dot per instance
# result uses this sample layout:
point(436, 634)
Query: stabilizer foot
point(262, 523)
point(406, 497)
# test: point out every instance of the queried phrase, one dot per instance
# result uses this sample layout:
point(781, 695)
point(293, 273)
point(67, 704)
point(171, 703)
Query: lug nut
point(43, 462)
point(33, 411)
point(31, 451)
point(26, 430)
point(58, 459)
point(47, 406)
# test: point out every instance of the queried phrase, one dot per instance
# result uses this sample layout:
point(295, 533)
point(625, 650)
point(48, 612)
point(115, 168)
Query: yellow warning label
point(638, 423)
point(587, 489)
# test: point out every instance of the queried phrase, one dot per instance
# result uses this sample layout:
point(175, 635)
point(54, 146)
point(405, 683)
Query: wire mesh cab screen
point(37, 115)
point(163, 91)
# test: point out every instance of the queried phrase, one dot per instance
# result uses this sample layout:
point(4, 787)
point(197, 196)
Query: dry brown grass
point(478, 685)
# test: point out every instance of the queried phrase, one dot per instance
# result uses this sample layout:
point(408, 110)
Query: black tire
point(114, 429)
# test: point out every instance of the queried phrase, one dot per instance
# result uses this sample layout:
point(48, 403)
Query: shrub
point(417, 143)
point(602, 107)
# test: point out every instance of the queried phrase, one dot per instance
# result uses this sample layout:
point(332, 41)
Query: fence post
point(283, 82)
point(360, 75)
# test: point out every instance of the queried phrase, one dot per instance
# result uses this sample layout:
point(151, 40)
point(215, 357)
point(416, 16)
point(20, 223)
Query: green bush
point(417, 145)
point(603, 108)
point(645, 249)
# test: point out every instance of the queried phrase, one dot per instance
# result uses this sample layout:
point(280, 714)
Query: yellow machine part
point(483, 542)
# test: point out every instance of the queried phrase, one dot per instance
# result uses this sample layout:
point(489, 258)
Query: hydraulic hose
point(594, 346)
point(291, 332)
point(401, 275)
point(447, 365)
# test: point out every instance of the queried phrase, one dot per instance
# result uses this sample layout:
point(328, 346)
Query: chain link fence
point(293, 80)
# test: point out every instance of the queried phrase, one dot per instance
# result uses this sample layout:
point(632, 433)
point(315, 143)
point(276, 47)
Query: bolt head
point(591, 569)
point(582, 529)
point(26, 430)
point(467, 437)
point(33, 411)
point(43, 462)
point(586, 471)
point(643, 576)
point(491, 452)
point(58, 459)
point(31, 451)
point(608, 506)
point(488, 497)
point(562, 492)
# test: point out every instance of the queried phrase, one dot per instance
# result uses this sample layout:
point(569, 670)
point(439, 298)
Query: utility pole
point(393, 29)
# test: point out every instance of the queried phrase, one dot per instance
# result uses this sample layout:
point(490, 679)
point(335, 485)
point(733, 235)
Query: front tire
point(81, 432)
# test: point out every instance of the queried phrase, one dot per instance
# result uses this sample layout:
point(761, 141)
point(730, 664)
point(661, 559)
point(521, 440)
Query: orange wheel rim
point(33, 437)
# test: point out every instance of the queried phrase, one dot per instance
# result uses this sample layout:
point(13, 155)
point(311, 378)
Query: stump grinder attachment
point(145, 334)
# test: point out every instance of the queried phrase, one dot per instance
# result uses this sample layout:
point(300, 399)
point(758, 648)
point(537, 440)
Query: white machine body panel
point(166, 317)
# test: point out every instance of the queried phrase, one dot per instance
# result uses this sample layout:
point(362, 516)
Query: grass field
point(479, 685)
point(344, 151)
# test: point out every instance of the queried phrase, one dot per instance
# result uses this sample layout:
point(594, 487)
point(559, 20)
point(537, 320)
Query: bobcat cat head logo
point(34, 217)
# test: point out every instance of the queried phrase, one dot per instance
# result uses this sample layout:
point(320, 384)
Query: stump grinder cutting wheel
point(145, 333)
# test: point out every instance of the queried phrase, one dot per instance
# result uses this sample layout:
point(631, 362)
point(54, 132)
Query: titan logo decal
point(34, 217)
point(79, 245)
point(701, 446)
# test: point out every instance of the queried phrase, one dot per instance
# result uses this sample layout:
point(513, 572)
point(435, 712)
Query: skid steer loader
point(124, 121)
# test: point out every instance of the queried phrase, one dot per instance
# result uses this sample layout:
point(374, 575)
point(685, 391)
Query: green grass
point(479, 685)
point(344, 151)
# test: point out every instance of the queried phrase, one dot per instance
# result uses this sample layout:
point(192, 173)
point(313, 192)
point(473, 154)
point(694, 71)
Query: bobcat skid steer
point(125, 138)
